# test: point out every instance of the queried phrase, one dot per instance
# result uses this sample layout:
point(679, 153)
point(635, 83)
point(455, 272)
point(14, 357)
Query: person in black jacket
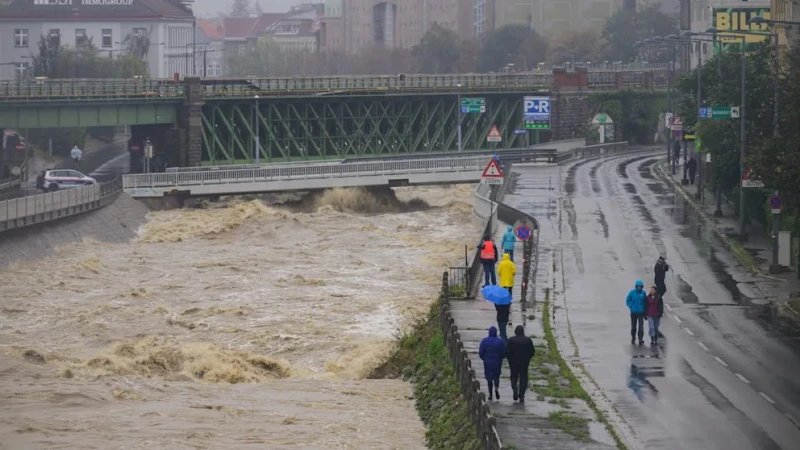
point(503, 313)
point(519, 352)
point(654, 309)
point(661, 268)
point(691, 167)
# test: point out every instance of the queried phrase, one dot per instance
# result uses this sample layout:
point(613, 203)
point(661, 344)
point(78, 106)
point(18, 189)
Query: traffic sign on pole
point(473, 105)
point(523, 229)
point(748, 181)
point(494, 135)
point(775, 204)
point(492, 173)
point(719, 112)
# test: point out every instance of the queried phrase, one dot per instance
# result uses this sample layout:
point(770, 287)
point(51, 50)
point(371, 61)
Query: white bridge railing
point(310, 171)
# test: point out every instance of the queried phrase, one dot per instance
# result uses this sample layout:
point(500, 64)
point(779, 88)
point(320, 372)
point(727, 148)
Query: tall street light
point(458, 106)
point(258, 137)
point(743, 134)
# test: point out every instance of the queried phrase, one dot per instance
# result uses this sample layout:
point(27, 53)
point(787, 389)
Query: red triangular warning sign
point(492, 170)
point(494, 132)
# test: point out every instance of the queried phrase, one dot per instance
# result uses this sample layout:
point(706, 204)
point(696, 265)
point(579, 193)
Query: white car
point(56, 179)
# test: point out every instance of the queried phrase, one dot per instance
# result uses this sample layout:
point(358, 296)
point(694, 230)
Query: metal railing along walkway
point(312, 176)
point(26, 211)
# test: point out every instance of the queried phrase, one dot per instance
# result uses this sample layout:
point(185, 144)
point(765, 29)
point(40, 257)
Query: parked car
point(53, 180)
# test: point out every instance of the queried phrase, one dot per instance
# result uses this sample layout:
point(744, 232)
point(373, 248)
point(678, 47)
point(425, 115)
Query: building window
point(20, 38)
point(21, 70)
point(107, 40)
point(80, 38)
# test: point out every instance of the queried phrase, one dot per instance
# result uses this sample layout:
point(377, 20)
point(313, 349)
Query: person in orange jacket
point(488, 254)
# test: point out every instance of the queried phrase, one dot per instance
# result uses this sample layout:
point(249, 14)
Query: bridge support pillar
point(571, 108)
point(191, 123)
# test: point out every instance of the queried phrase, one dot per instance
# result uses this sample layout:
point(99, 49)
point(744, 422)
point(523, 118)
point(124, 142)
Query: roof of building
point(212, 31)
point(296, 23)
point(101, 10)
point(238, 27)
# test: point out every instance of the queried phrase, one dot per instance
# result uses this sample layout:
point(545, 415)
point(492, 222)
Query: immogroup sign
point(738, 19)
point(84, 2)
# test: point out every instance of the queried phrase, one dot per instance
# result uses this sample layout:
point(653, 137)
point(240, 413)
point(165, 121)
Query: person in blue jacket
point(492, 351)
point(508, 242)
point(635, 301)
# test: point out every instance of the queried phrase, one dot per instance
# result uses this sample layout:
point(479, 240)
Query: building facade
point(724, 15)
point(299, 30)
point(209, 50)
point(555, 17)
point(786, 11)
point(169, 24)
point(353, 25)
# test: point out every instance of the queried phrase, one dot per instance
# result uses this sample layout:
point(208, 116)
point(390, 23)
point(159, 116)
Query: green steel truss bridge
point(226, 121)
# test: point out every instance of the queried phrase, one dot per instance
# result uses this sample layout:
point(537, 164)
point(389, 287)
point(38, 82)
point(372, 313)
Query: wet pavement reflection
point(729, 380)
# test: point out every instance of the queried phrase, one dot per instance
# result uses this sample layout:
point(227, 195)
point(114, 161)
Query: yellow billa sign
point(738, 19)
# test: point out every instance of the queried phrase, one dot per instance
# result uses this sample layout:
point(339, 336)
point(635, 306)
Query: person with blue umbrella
point(492, 352)
point(501, 297)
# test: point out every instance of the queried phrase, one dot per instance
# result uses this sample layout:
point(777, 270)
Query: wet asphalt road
point(726, 374)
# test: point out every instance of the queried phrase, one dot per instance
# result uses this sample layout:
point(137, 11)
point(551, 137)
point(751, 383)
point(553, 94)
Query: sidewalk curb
point(745, 260)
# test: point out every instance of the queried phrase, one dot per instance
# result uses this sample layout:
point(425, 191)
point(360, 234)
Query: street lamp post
point(458, 106)
point(742, 135)
point(258, 137)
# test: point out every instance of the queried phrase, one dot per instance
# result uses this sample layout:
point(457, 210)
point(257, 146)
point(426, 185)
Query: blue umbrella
point(496, 295)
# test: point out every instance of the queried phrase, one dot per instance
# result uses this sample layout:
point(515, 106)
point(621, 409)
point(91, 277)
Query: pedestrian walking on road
point(519, 352)
point(506, 270)
point(492, 351)
point(488, 253)
point(676, 152)
point(503, 314)
point(654, 308)
point(635, 301)
point(508, 242)
point(660, 269)
point(691, 167)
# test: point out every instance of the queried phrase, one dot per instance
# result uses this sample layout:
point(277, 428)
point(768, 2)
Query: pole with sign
point(719, 112)
point(536, 113)
point(473, 105)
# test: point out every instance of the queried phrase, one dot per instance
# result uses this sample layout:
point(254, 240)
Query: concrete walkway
point(528, 425)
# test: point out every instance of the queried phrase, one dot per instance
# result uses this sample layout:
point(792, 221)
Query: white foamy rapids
point(259, 298)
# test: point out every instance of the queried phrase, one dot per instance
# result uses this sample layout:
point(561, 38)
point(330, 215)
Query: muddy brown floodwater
point(236, 326)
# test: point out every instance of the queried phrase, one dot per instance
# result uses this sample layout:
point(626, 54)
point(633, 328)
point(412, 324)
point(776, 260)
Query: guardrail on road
point(33, 209)
point(594, 150)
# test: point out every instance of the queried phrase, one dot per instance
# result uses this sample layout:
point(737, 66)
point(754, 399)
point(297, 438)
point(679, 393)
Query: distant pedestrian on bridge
point(509, 241)
point(519, 352)
point(488, 254)
point(492, 351)
point(76, 154)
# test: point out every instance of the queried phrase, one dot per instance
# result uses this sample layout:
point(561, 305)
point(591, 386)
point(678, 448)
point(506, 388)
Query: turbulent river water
point(238, 325)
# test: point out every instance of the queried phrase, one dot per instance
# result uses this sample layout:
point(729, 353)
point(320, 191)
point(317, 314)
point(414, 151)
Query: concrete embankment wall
point(116, 222)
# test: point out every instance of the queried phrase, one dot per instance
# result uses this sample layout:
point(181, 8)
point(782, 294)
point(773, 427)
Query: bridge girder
point(320, 128)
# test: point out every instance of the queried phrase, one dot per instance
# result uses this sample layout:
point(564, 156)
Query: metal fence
point(267, 173)
point(25, 211)
point(89, 89)
point(485, 423)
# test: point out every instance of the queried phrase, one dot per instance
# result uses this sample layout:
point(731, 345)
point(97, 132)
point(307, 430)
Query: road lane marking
point(703, 346)
point(669, 308)
point(766, 397)
point(741, 377)
point(793, 420)
point(721, 361)
point(676, 318)
point(689, 332)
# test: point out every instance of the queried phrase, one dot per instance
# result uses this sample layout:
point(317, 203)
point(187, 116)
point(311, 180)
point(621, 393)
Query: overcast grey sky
point(211, 7)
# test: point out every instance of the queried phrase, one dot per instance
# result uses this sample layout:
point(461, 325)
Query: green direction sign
point(473, 105)
point(719, 112)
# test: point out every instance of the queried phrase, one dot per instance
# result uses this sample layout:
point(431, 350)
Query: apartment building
point(169, 24)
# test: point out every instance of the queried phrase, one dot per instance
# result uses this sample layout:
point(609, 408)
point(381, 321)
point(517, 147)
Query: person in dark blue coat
point(492, 351)
point(635, 301)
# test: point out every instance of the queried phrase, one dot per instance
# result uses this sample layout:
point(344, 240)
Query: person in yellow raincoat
point(506, 270)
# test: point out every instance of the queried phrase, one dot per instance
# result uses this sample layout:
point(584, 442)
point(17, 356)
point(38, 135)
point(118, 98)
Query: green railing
point(89, 89)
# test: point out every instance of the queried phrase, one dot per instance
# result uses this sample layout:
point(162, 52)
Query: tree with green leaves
point(266, 59)
point(138, 44)
point(510, 44)
point(627, 26)
point(438, 51)
point(241, 8)
point(578, 46)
